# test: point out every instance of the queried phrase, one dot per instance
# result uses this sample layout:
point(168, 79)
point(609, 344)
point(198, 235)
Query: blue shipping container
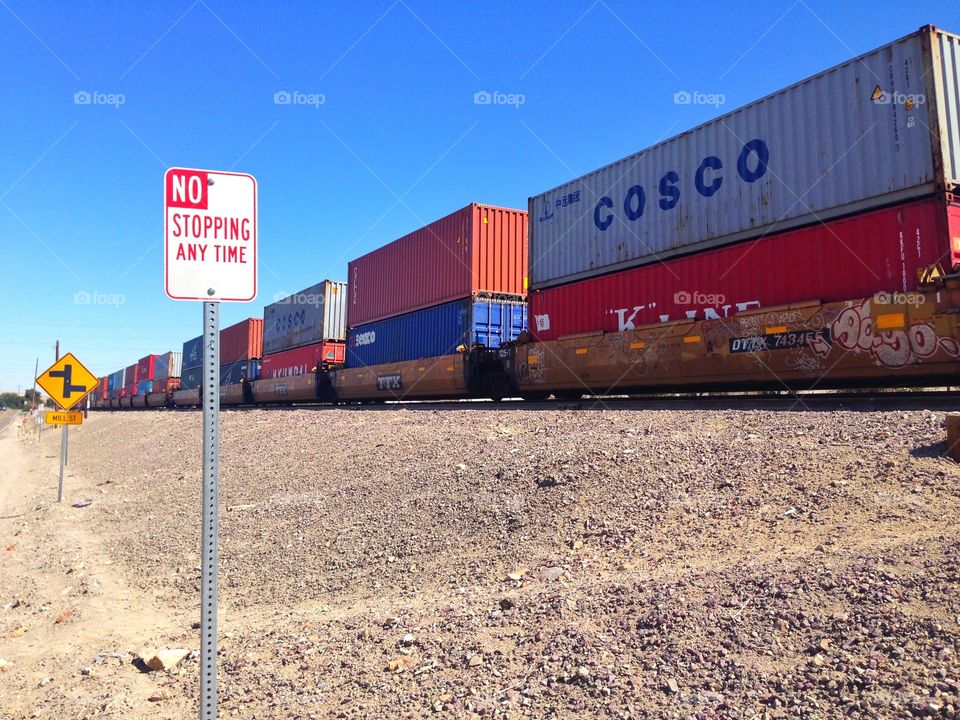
point(233, 373)
point(434, 331)
point(144, 387)
point(229, 374)
point(193, 353)
point(190, 378)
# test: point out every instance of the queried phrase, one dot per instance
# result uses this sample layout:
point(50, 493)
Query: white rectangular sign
point(210, 235)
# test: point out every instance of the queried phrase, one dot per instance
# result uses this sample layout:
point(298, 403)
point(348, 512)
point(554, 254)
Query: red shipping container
point(146, 367)
point(478, 249)
point(130, 375)
point(103, 390)
point(300, 361)
point(243, 341)
point(854, 257)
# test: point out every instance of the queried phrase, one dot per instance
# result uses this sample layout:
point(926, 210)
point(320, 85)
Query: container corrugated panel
point(166, 385)
point(300, 361)
point(310, 316)
point(435, 331)
point(130, 376)
point(478, 250)
point(192, 356)
point(146, 367)
point(242, 341)
point(168, 365)
point(190, 378)
point(874, 131)
point(233, 373)
point(854, 257)
point(144, 387)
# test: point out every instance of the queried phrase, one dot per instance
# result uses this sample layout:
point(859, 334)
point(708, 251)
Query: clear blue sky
point(397, 141)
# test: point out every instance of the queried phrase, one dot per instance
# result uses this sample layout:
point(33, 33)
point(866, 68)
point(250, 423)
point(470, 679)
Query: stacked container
point(779, 201)
point(241, 347)
point(453, 284)
point(305, 330)
point(130, 381)
point(167, 377)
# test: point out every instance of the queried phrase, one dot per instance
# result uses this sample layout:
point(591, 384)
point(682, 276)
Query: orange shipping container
point(479, 250)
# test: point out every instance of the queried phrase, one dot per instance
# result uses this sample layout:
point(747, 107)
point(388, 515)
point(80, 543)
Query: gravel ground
point(570, 563)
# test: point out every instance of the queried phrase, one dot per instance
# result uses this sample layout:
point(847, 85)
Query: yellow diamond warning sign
point(67, 381)
point(60, 417)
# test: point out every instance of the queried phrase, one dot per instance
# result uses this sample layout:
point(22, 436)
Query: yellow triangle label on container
point(877, 94)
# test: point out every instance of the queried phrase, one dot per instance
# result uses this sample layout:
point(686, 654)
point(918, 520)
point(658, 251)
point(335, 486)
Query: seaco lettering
point(708, 179)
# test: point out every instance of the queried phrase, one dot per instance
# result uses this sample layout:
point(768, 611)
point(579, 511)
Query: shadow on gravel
point(930, 450)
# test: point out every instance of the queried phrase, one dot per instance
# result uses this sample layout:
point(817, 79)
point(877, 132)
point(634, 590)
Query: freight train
point(809, 240)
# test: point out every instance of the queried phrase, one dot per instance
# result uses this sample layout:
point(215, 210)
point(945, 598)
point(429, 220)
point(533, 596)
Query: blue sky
point(397, 140)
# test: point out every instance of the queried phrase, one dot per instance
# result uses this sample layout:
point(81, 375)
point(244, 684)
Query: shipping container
point(436, 331)
point(115, 382)
point(192, 356)
point(130, 376)
point(190, 378)
point(478, 250)
point(880, 129)
point(146, 367)
point(233, 373)
point(300, 361)
point(310, 316)
point(144, 387)
point(243, 341)
point(103, 389)
point(168, 365)
point(166, 385)
point(879, 251)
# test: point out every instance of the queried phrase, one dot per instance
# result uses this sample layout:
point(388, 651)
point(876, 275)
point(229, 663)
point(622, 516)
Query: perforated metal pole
point(63, 461)
point(210, 389)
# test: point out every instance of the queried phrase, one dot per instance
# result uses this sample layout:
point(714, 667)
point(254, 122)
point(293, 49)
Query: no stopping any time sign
point(210, 235)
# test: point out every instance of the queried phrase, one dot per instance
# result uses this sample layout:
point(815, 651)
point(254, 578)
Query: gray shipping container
point(168, 365)
point(310, 316)
point(879, 129)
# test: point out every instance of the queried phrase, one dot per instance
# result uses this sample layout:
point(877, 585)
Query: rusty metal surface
point(436, 377)
point(295, 388)
point(911, 339)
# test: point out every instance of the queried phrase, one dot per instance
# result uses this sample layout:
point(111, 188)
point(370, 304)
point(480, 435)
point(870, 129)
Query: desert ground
point(488, 561)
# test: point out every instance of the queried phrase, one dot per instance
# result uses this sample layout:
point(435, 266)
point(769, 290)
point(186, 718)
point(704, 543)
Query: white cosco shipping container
point(312, 315)
point(878, 129)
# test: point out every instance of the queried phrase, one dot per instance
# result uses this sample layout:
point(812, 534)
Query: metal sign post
point(63, 462)
point(210, 396)
point(210, 255)
point(67, 382)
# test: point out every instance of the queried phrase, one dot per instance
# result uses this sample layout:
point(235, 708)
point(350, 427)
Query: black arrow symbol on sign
point(67, 375)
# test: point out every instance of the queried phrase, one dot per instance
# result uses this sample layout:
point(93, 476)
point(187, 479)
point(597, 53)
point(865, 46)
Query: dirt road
point(495, 563)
